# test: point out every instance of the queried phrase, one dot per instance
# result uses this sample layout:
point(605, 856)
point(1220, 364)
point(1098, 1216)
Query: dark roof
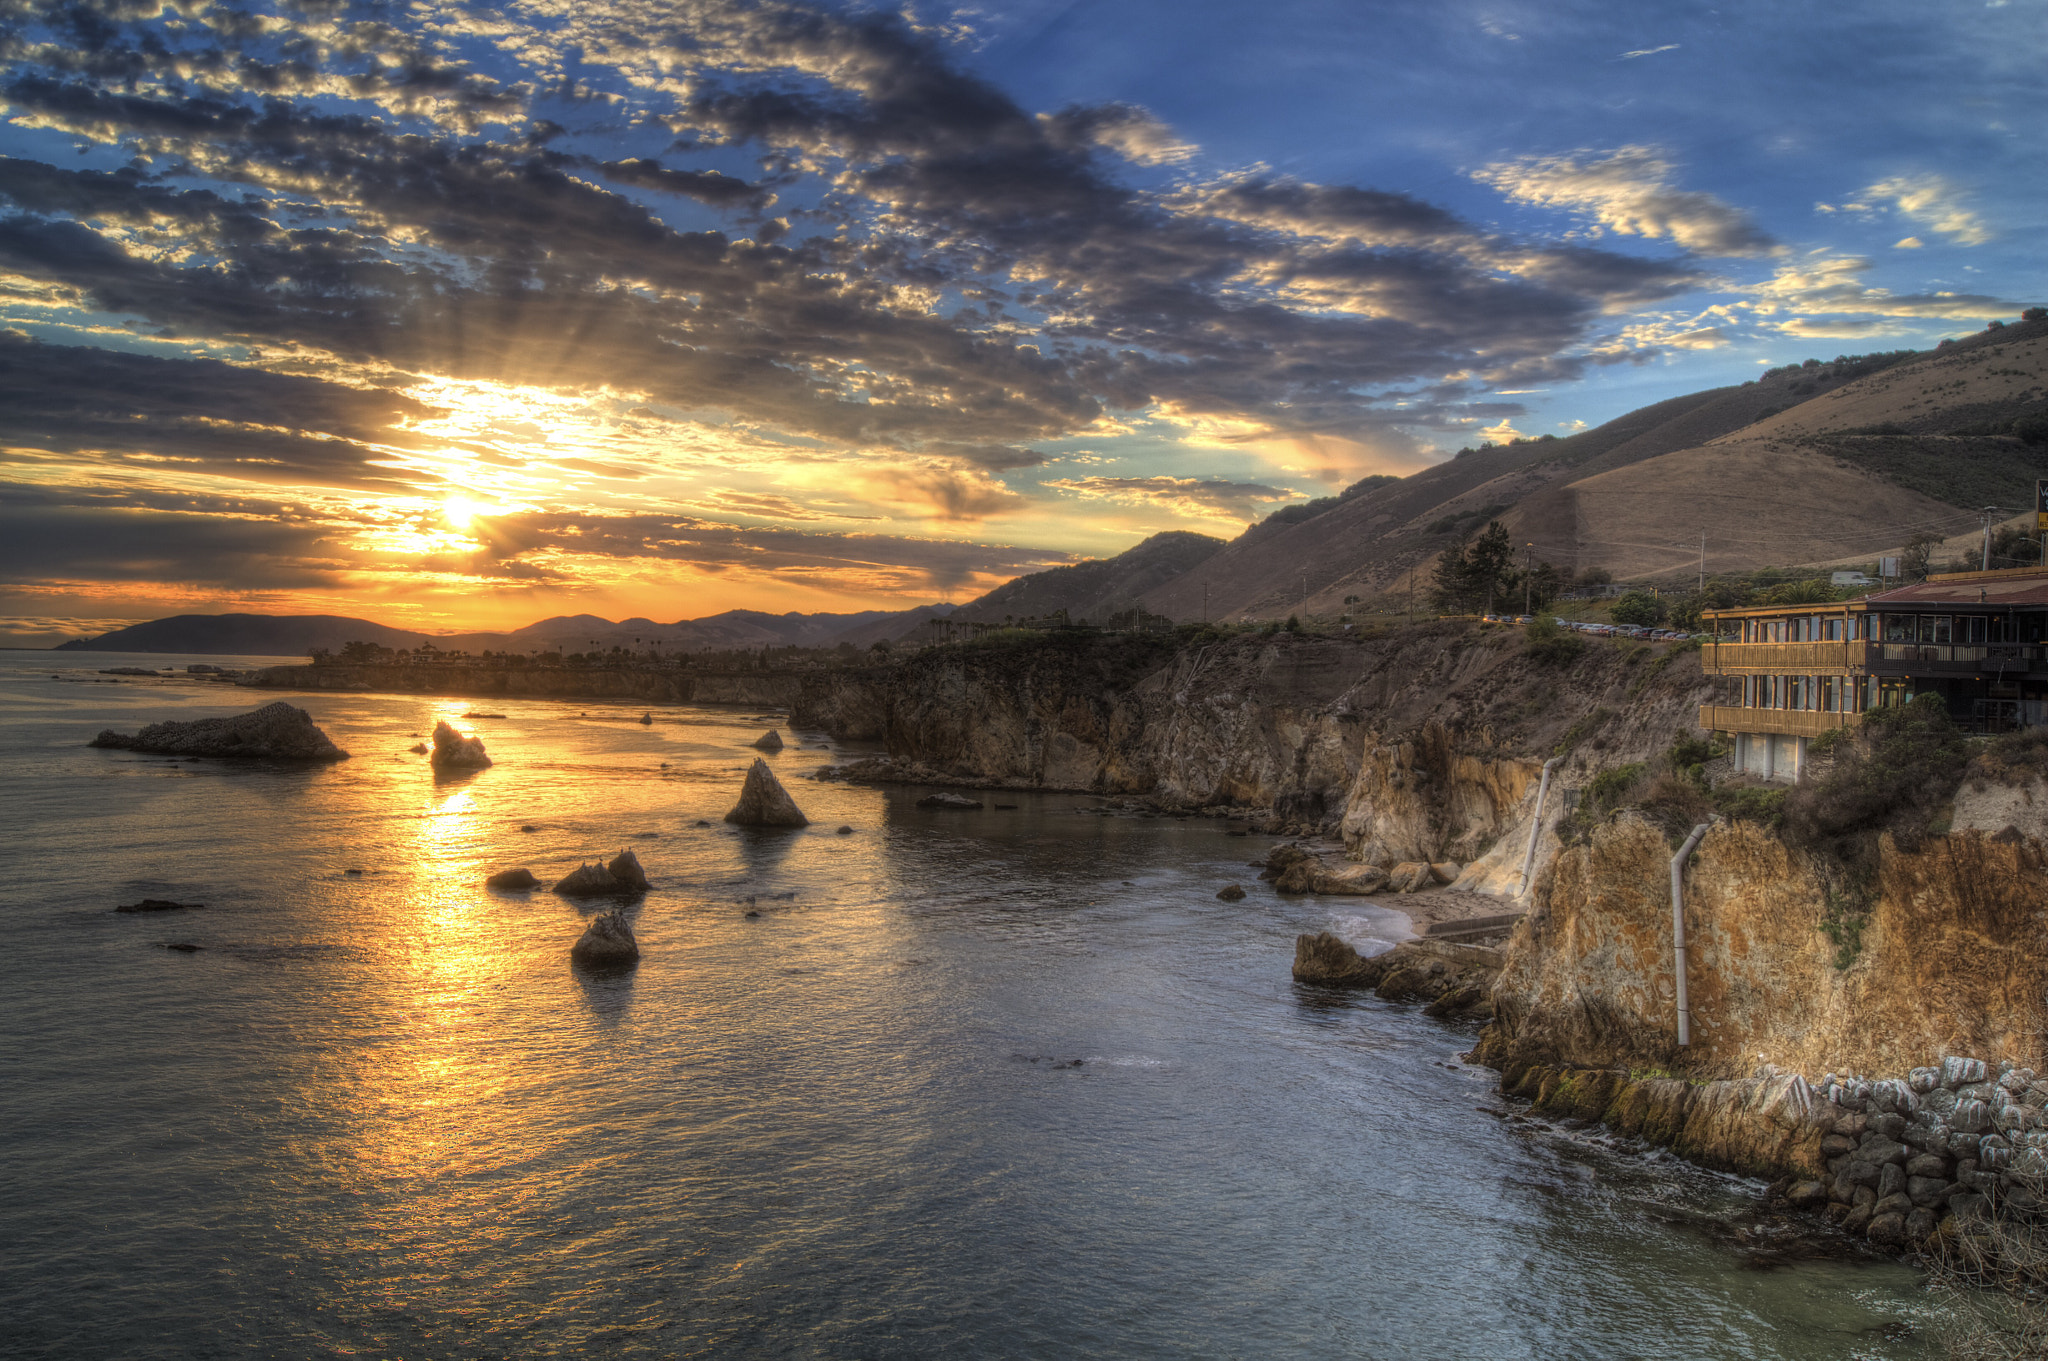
point(1994, 590)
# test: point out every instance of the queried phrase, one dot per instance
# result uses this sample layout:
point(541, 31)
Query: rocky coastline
point(277, 731)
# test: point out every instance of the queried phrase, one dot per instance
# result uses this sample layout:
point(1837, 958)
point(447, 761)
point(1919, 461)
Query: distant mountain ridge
point(287, 635)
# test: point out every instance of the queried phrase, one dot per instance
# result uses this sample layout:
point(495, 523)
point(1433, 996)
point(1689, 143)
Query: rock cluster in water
point(1453, 981)
point(943, 800)
point(453, 751)
point(1295, 868)
point(607, 941)
point(279, 731)
point(512, 879)
point(764, 802)
point(620, 876)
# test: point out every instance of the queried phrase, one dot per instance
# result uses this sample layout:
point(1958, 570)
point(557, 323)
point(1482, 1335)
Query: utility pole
point(1703, 562)
point(1205, 602)
point(1304, 597)
point(1528, 573)
point(1987, 515)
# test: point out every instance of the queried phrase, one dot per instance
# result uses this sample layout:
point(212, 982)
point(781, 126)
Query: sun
point(460, 512)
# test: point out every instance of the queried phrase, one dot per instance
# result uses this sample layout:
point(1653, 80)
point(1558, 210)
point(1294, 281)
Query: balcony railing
point(1960, 656)
point(1786, 722)
point(1746, 659)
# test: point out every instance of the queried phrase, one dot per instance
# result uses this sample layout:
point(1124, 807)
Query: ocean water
point(1006, 1083)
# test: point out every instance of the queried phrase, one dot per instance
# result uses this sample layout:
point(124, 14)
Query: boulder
point(512, 879)
point(1410, 876)
point(608, 940)
point(764, 802)
point(1230, 893)
point(1805, 1195)
point(1445, 871)
point(278, 731)
point(647, 720)
point(945, 800)
point(453, 751)
point(1355, 879)
point(845, 831)
point(769, 741)
point(625, 867)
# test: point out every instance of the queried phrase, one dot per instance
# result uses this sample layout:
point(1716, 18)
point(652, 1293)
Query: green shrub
point(1550, 645)
point(1894, 774)
point(1752, 803)
point(1638, 608)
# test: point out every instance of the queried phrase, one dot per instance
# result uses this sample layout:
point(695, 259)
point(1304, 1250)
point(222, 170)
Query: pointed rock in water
point(589, 881)
point(512, 879)
point(769, 741)
point(453, 751)
point(609, 940)
point(625, 867)
point(418, 749)
point(279, 731)
point(764, 802)
point(948, 801)
point(647, 719)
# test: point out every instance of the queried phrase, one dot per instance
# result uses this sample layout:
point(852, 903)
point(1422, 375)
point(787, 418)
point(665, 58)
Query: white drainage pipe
point(1678, 929)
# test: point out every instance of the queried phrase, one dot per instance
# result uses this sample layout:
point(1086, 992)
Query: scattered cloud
point(1648, 51)
point(1629, 191)
point(1197, 498)
point(1935, 203)
point(1908, 243)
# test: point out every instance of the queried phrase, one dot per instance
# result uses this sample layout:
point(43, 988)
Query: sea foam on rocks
point(279, 731)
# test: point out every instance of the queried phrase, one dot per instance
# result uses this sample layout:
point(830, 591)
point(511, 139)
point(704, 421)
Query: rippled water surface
point(1008, 1083)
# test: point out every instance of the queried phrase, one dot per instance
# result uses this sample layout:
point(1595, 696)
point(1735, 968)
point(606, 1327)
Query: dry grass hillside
point(1831, 462)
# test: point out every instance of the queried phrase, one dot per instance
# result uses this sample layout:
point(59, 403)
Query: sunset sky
point(461, 316)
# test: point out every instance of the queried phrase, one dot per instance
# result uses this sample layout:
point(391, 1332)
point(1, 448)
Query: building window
point(1898, 628)
point(1972, 629)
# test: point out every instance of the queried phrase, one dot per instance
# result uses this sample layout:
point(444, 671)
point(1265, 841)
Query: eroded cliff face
point(1423, 744)
point(1953, 957)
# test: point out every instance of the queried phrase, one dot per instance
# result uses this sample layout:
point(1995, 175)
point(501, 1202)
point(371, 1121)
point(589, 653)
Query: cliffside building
point(1977, 639)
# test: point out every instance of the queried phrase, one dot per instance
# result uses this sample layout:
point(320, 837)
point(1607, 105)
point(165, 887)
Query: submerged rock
point(608, 940)
point(1231, 893)
point(769, 741)
point(453, 751)
point(846, 831)
point(418, 749)
point(948, 801)
point(512, 879)
point(647, 720)
point(764, 802)
point(158, 905)
point(279, 731)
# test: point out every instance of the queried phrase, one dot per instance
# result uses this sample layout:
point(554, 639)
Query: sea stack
point(453, 751)
point(764, 802)
point(769, 741)
point(598, 879)
point(608, 941)
point(278, 731)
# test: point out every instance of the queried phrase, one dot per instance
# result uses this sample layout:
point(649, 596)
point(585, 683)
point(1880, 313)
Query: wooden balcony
point(1789, 659)
point(1786, 722)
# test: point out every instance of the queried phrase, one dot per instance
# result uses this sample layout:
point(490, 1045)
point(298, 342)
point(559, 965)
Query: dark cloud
point(202, 414)
point(706, 186)
point(46, 545)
